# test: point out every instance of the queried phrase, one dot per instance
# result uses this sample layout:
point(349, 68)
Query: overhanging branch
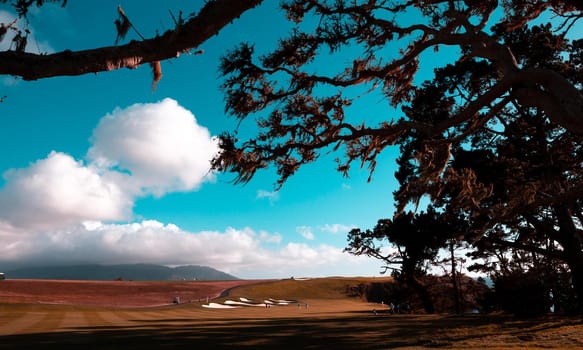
point(211, 19)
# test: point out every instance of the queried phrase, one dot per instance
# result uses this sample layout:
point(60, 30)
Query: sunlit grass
point(300, 289)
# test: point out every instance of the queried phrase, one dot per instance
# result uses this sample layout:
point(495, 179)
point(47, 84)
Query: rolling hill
point(134, 272)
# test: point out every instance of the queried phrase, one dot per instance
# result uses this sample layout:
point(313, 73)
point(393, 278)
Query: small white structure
point(2, 277)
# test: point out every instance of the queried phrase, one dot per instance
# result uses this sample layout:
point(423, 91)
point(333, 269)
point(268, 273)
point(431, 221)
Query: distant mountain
point(135, 272)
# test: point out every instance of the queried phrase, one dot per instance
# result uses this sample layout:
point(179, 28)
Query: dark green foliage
point(524, 293)
point(439, 288)
point(417, 239)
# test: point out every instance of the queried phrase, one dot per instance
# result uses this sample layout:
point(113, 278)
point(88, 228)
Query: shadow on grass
point(351, 332)
point(347, 332)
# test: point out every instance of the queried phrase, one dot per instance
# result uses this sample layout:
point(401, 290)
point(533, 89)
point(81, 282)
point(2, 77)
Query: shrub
point(523, 293)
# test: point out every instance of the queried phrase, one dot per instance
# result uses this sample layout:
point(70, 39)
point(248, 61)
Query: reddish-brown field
point(111, 315)
point(111, 293)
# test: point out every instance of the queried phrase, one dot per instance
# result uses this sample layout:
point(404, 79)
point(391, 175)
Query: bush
point(523, 293)
point(439, 288)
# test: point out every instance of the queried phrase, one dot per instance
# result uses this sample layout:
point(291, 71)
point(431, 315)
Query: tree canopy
point(299, 120)
point(494, 137)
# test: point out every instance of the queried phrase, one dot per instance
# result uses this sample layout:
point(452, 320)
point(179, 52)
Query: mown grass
point(299, 289)
point(332, 321)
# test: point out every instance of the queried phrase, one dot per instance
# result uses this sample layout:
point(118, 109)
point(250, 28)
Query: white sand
point(219, 306)
point(280, 301)
point(230, 304)
point(240, 303)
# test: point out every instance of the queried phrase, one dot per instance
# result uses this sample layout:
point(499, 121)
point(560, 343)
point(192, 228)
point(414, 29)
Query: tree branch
point(555, 254)
point(211, 19)
point(554, 94)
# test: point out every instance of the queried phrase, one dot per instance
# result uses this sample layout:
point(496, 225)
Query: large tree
point(518, 180)
point(510, 102)
point(408, 244)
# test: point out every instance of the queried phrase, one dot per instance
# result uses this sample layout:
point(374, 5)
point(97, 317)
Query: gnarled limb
point(210, 20)
point(554, 94)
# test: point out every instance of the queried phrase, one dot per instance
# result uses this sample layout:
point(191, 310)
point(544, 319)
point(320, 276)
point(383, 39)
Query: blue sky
point(102, 169)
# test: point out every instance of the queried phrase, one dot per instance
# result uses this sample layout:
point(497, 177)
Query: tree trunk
point(420, 288)
point(454, 280)
point(571, 240)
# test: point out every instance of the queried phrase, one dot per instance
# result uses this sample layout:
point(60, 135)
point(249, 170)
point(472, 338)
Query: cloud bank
point(244, 253)
point(58, 191)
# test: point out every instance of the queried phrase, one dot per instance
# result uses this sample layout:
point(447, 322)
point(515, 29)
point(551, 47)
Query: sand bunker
point(240, 303)
point(246, 302)
point(219, 306)
point(280, 301)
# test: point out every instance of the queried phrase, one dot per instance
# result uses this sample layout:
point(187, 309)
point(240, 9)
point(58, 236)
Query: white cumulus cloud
point(270, 238)
point(57, 191)
point(143, 149)
point(160, 144)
